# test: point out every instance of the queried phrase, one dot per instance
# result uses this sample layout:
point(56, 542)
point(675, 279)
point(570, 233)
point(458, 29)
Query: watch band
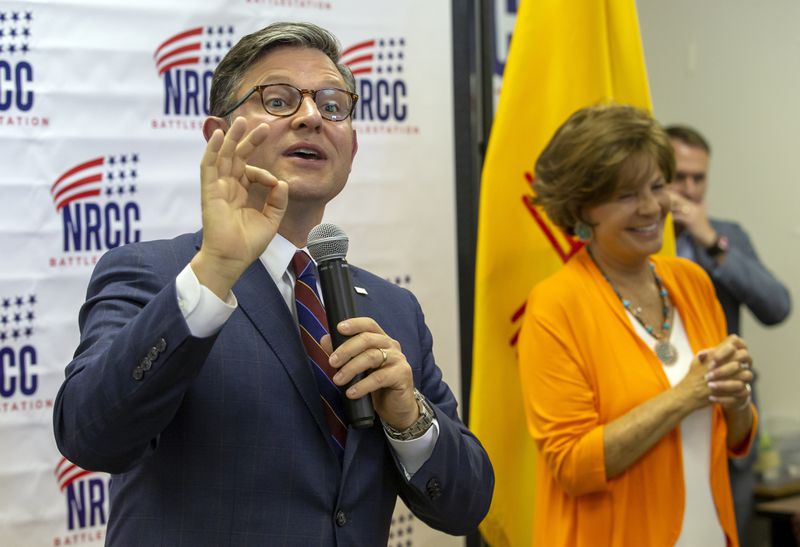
point(719, 246)
point(418, 428)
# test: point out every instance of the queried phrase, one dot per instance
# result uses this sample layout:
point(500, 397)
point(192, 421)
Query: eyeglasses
point(284, 100)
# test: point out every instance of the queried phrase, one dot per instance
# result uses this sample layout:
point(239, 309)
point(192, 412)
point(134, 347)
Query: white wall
point(732, 70)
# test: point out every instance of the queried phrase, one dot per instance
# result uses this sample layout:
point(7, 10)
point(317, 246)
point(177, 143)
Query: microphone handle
point(337, 292)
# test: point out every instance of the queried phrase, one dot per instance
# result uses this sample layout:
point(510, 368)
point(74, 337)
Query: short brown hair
point(689, 136)
point(581, 164)
point(230, 72)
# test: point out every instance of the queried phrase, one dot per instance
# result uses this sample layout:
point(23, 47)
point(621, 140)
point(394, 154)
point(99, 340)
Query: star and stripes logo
point(113, 175)
point(199, 46)
point(86, 494)
point(15, 33)
point(18, 359)
point(379, 66)
point(67, 472)
point(17, 316)
point(16, 70)
point(185, 62)
point(376, 56)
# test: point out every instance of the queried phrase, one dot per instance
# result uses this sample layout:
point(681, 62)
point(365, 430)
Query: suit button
point(152, 354)
point(162, 345)
point(341, 518)
point(138, 373)
point(145, 364)
point(434, 488)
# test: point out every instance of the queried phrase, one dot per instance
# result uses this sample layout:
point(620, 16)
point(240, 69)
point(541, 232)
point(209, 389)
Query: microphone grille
point(327, 242)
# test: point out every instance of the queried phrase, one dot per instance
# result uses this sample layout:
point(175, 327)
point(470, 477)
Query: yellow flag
point(563, 56)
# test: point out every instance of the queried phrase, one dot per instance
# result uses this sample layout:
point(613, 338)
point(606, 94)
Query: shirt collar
point(278, 256)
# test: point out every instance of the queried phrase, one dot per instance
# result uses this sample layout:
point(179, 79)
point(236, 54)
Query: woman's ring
point(385, 356)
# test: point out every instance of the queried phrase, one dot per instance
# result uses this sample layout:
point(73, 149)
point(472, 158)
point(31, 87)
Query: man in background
point(725, 252)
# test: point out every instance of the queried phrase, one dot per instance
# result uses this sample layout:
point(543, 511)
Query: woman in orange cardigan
point(633, 393)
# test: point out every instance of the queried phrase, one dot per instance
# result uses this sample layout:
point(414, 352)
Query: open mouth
point(306, 153)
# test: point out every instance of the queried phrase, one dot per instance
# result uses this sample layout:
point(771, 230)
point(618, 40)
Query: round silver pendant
point(666, 352)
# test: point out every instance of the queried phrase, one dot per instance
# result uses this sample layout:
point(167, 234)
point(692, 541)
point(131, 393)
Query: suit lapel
point(365, 307)
point(261, 302)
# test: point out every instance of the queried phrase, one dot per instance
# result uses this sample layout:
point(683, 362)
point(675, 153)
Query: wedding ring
point(385, 356)
point(744, 365)
point(749, 399)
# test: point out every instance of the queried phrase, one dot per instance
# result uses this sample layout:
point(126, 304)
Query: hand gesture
point(694, 218)
point(694, 386)
point(242, 206)
point(730, 373)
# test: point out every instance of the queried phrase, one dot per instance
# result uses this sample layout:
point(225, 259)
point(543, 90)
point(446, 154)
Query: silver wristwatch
point(418, 428)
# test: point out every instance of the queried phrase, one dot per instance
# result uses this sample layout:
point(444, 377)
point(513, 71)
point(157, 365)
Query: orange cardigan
point(582, 365)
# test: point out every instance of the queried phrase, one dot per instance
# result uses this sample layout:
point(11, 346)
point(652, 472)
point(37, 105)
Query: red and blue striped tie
point(313, 326)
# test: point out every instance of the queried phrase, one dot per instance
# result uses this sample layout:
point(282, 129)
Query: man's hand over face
point(694, 218)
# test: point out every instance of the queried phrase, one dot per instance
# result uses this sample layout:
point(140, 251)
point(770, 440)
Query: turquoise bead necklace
point(663, 348)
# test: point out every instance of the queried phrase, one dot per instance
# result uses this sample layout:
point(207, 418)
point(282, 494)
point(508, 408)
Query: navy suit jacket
point(222, 440)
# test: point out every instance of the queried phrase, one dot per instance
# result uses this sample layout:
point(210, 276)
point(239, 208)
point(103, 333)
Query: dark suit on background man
point(725, 252)
point(213, 428)
point(742, 280)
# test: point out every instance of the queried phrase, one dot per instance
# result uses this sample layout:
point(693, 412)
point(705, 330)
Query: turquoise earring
point(583, 231)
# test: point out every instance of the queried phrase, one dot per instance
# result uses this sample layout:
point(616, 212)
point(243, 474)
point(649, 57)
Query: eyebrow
point(693, 174)
point(284, 80)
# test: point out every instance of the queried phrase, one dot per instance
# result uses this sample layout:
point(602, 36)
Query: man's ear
point(211, 124)
point(355, 145)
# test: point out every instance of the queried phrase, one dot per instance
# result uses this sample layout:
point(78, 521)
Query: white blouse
point(700, 523)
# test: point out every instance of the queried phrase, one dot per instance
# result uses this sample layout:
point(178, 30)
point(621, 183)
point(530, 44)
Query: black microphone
point(327, 244)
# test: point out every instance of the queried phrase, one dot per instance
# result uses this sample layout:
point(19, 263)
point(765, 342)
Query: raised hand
point(242, 207)
point(694, 217)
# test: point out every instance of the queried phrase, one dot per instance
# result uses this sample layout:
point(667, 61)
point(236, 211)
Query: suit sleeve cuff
point(414, 453)
point(204, 312)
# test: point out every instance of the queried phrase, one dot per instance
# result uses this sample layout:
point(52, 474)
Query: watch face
point(718, 247)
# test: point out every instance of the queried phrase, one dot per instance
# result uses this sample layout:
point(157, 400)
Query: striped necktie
point(313, 326)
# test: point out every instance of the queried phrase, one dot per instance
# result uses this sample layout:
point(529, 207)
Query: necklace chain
point(636, 311)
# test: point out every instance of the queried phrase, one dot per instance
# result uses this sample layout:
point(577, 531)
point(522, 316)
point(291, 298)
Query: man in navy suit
point(723, 249)
point(191, 384)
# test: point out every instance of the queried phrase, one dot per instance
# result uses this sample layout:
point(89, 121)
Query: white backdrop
point(99, 145)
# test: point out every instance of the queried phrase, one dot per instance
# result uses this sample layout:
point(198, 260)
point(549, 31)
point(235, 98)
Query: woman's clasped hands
point(729, 373)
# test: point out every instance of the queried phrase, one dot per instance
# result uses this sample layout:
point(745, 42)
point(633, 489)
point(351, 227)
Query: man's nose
point(308, 113)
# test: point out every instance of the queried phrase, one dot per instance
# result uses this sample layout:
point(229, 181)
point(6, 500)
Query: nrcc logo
point(86, 494)
point(378, 65)
point(19, 363)
point(96, 201)
point(185, 63)
point(17, 98)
